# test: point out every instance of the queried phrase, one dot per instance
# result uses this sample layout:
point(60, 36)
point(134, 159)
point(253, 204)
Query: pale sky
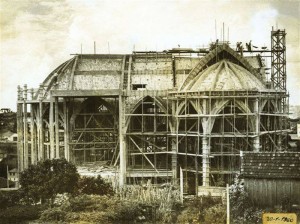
point(37, 36)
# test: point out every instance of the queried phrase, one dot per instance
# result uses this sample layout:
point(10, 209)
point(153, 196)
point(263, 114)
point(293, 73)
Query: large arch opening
point(94, 136)
point(190, 146)
point(231, 133)
point(148, 143)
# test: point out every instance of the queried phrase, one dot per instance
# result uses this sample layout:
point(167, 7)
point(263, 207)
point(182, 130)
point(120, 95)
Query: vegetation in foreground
point(45, 198)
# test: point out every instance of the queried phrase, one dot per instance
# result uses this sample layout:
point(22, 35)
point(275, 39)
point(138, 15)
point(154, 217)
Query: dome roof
point(222, 76)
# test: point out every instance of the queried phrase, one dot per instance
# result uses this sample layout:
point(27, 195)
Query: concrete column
point(174, 161)
point(51, 128)
point(174, 145)
point(33, 133)
point(123, 158)
point(205, 161)
point(280, 125)
point(256, 140)
point(56, 128)
point(41, 154)
point(25, 129)
point(20, 139)
point(66, 131)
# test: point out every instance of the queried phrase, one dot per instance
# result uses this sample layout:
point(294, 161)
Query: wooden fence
point(271, 192)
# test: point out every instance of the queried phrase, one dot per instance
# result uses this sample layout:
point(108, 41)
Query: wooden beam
point(86, 93)
point(71, 81)
point(149, 161)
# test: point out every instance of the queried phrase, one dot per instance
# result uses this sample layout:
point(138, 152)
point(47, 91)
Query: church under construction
point(156, 115)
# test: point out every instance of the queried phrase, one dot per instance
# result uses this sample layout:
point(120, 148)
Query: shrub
point(53, 214)
point(88, 203)
point(92, 185)
point(9, 198)
point(241, 207)
point(20, 213)
point(215, 214)
point(48, 178)
point(196, 211)
point(125, 211)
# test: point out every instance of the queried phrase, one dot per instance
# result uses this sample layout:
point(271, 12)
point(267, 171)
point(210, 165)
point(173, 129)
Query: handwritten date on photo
point(279, 218)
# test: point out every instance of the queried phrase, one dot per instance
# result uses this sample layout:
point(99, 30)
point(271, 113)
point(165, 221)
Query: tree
point(47, 179)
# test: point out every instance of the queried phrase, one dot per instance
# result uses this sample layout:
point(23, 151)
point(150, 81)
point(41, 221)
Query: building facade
point(151, 113)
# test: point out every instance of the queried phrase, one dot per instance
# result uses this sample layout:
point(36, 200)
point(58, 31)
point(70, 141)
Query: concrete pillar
point(33, 132)
point(123, 158)
point(40, 126)
point(256, 140)
point(56, 128)
point(25, 129)
point(174, 161)
point(20, 139)
point(66, 130)
point(51, 128)
point(174, 145)
point(205, 161)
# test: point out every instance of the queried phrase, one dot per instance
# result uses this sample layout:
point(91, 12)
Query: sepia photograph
point(150, 111)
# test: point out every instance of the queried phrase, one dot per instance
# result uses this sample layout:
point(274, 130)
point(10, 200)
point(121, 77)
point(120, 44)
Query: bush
point(200, 209)
point(241, 207)
point(53, 214)
point(47, 179)
point(9, 198)
point(92, 185)
point(20, 213)
point(125, 211)
point(215, 214)
point(87, 203)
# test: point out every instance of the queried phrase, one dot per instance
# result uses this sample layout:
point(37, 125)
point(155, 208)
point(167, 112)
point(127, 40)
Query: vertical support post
point(33, 132)
point(129, 73)
point(25, 129)
point(205, 162)
point(66, 130)
point(256, 142)
point(56, 128)
point(205, 148)
point(174, 147)
point(174, 161)
point(40, 125)
point(228, 204)
point(20, 131)
point(181, 185)
point(51, 128)
point(122, 142)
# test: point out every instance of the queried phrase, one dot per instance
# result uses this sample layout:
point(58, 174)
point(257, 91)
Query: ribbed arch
point(92, 100)
point(221, 52)
point(157, 101)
